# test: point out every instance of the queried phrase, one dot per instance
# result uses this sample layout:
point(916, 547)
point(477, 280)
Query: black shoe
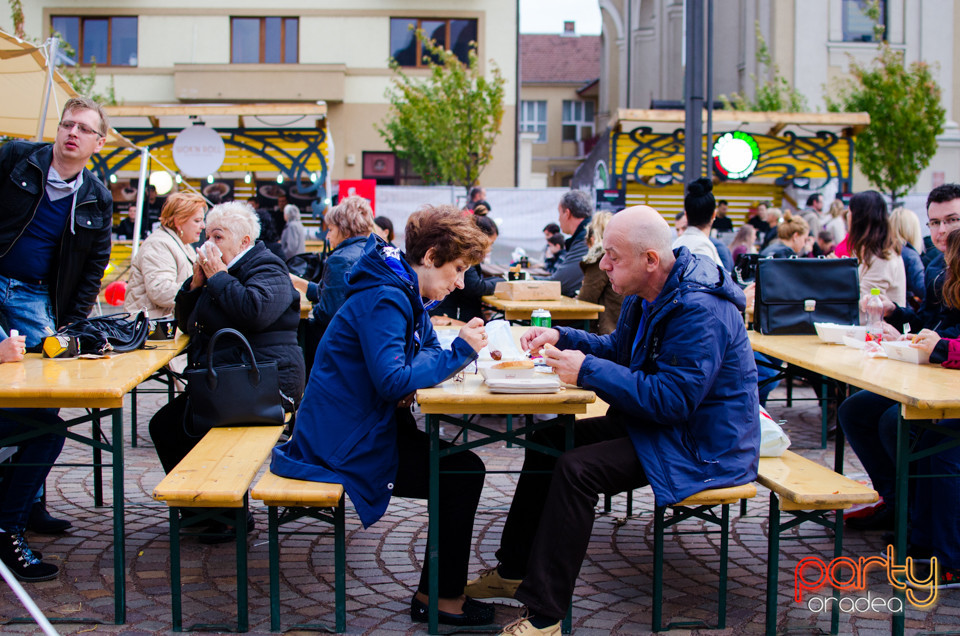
point(41, 522)
point(219, 532)
point(919, 553)
point(881, 518)
point(474, 613)
point(22, 561)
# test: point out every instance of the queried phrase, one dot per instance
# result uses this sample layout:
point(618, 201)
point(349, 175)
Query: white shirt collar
point(239, 256)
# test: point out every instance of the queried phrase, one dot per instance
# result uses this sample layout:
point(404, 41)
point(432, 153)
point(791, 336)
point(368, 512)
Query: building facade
point(238, 52)
point(559, 86)
point(811, 42)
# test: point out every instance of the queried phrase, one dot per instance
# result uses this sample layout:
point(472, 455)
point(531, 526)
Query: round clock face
point(735, 155)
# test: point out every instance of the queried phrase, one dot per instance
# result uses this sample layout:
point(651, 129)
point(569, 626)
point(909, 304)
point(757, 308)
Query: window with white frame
point(858, 26)
point(577, 120)
point(533, 118)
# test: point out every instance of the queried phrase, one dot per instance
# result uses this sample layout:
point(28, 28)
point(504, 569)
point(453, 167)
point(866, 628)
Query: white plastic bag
point(773, 441)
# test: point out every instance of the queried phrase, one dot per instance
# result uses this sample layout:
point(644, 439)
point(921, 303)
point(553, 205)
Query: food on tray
point(549, 347)
point(515, 364)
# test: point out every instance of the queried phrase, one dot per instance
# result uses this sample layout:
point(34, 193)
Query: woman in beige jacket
point(165, 259)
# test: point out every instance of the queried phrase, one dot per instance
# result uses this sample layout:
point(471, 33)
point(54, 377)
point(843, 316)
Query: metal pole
point(693, 130)
point(709, 148)
point(53, 47)
point(27, 601)
point(141, 197)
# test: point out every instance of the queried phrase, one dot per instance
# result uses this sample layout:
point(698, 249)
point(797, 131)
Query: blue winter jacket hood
point(686, 390)
point(379, 348)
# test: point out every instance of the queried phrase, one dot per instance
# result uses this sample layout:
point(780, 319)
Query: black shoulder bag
point(116, 333)
point(794, 293)
point(244, 394)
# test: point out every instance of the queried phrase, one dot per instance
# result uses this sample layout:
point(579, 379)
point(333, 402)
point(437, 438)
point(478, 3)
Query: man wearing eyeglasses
point(55, 224)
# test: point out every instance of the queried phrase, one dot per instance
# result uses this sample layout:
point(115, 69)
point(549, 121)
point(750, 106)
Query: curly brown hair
point(448, 232)
point(951, 284)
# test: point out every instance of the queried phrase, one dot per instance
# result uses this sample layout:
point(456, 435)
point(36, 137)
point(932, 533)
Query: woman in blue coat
point(354, 426)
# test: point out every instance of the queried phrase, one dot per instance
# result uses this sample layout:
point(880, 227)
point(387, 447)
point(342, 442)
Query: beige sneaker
point(491, 585)
point(523, 627)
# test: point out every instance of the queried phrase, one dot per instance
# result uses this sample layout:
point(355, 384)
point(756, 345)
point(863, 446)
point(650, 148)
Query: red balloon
point(116, 293)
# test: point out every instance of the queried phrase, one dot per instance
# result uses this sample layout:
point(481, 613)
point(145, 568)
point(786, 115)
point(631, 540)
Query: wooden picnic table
point(925, 393)
point(563, 309)
point(98, 385)
point(449, 401)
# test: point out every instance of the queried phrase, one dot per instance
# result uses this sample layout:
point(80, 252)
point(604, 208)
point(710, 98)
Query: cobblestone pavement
point(613, 594)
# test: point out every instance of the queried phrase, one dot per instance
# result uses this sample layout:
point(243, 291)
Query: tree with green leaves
point(445, 125)
point(774, 94)
point(906, 116)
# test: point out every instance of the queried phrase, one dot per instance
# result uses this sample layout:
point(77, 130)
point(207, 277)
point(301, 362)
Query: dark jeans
point(459, 497)
point(20, 482)
point(935, 501)
point(870, 423)
point(548, 529)
point(169, 436)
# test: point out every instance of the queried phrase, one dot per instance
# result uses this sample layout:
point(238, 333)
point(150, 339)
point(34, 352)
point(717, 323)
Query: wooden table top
point(74, 382)
point(563, 309)
point(927, 391)
point(472, 396)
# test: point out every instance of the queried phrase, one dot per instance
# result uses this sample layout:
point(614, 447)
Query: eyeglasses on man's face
point(68, 125)
point(950, 221)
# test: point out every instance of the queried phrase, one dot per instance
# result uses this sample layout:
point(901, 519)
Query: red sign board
point(366, 188)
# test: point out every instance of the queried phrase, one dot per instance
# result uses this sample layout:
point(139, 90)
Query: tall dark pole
point(693, 93)
point(709, 170)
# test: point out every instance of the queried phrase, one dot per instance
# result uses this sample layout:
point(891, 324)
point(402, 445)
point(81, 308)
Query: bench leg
point(607, 506)
point(724, 546)
point(133, 417)
point(340, 566)
point(175, 592)
point(657, 618)
point(242, 605)
point(274, 550)
point(97, 431)
point(773, 557)
point(629, 503)
point(837, 553)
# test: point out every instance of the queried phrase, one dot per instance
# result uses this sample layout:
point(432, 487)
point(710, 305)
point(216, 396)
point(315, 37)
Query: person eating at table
point(680, 379)
point(869, 420)
point(355, 426)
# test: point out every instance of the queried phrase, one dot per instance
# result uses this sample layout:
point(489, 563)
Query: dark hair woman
point(872, 241)
point(464, 304)
point(355, 427)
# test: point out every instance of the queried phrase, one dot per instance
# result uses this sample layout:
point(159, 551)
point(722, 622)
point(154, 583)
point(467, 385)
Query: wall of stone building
point(184, 54)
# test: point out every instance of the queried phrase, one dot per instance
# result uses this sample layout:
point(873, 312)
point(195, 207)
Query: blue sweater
point(379, 348)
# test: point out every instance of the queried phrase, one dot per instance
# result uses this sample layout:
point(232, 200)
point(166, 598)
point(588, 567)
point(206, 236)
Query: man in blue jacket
point(679, 376)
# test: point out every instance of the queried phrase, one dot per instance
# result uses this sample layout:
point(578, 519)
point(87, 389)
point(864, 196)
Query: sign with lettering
point(198, 151)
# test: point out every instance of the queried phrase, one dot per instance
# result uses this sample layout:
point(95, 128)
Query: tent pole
point(53, 49)
point(141, 197)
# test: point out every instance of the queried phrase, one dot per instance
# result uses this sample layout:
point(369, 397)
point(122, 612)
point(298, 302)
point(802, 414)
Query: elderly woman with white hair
point(293, 239)
point(236, 283)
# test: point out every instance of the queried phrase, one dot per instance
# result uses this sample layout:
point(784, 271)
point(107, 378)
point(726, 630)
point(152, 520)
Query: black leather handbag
point(794, 293)
point(244, 394)
point(116, 333)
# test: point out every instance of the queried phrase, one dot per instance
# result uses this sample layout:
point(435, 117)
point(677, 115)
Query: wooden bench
point(314, 500)
point(216, 474)
point(700, 506)
point(808, 491)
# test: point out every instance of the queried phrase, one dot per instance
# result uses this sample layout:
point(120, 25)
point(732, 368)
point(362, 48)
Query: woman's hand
point(474, 333)
point(211, 260)
point(750, 292)
point(199, 278)
point(888, 305)
point(13, 348)
point(300, 284)
point(536, 337)
point(890, 333)
point(926, 340)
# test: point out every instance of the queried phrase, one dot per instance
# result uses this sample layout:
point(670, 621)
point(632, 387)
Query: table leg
point(433, 529)
point(824, 409)
point(900, 512)
point(133, 417)
point(243, 607)
point(97, 435)
point(119, 539)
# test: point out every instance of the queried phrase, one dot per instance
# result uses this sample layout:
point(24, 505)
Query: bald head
point(637, 254)
point(644, 228)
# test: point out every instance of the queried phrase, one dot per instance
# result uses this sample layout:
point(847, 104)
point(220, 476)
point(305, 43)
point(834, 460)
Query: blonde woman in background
point(837, 225)
point(906, 229)
point(792, 233)
point(596, 286)
point(166, 257)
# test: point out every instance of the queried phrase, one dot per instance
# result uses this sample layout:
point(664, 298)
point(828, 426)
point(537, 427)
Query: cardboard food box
point(528, 290)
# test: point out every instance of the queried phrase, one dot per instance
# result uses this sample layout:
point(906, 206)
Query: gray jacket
point(568, 270)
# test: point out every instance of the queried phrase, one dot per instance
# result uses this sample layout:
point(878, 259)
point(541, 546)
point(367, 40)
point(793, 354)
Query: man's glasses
point(948, 222)
point(68, 125)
